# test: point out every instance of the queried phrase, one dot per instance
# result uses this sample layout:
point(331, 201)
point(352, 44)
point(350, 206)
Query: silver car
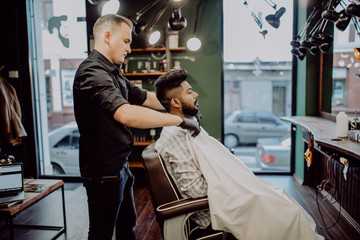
point(273, 153)
point(64, 150)
point(245, 127)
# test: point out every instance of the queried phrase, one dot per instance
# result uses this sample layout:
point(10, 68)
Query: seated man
point(239, 202)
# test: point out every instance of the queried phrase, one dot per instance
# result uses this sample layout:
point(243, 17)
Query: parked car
point(245, 127)
point(273, 153)
point(64, 150)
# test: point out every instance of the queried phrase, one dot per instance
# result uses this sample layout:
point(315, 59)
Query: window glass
point(64, 143)
point(266, 119)
point(246, 118)
point(59, 42)
point(258, 82)
point(346, 70)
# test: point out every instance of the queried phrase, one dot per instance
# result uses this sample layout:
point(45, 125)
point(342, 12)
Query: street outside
point(247, 155)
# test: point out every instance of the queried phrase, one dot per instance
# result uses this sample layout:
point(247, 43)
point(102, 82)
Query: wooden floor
point(48, 211)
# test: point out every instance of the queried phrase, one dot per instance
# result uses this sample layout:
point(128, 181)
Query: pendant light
point(154, 35)
point(274, 19)
point(110, 7)
point(106, 6)
point(194, 43)
point(177, 22)
point(140, 26)
point(271, 3)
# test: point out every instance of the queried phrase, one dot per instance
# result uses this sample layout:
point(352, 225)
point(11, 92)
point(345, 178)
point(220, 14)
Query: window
point(346, 70)
point(69, 142)
point(257, 82)
point(59, 43)
point(246, 118)
point(266, 120)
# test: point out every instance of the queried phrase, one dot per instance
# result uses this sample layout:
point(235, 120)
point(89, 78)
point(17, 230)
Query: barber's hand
point(191, 124)
point(198, 117)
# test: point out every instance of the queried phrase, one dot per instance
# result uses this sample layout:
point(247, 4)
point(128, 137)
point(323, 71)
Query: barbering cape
point(243, 204)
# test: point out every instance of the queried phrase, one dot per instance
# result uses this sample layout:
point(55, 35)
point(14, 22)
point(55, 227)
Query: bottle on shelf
point(342, 125)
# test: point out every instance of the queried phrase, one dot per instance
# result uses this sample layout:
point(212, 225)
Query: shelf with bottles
point(144, 137)
point(144, 143)
point(135, 74)
point(149, 62)
point(136, 165)
point(157, 49)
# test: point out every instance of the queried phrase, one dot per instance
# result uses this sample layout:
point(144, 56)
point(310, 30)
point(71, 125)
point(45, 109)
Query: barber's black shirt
point(99, 89)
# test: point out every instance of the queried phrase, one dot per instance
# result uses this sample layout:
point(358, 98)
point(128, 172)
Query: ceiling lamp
point(140, 26)
point(330, 15)
point(110, 7)
point(271, 3)
point(274, 19)
point(194, 43)
point(343, 21)
point(176, 21)
point(353, 10)
point(256, 19)
point(106, 6)
point(155, 35)
point(300, 46)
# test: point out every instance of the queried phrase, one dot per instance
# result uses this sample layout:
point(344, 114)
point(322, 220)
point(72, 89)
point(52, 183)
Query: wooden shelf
point(144, 74)
point(157, 49)
point(136, 165)
point(146, 143)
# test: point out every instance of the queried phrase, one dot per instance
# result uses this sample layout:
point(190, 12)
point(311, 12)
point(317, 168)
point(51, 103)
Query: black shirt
point(99, 89)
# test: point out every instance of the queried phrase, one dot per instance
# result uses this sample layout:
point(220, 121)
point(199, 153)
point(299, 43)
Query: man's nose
point(196, 94)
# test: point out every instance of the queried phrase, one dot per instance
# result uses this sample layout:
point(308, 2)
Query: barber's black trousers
point(111, 204)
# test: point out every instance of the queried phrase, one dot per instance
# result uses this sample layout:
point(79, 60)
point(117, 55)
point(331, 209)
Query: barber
point(106, 104)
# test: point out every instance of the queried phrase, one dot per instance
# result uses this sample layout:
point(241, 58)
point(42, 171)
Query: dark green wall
point(307, 92)
point(308, 86)
point(205, 74)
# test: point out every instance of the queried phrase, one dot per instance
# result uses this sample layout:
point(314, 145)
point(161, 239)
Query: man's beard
point(189, 110)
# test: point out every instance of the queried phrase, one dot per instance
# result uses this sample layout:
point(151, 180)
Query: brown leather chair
point(173, 212)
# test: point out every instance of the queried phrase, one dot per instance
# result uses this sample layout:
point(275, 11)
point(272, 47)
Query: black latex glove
point(198, 117)
point(191, 124)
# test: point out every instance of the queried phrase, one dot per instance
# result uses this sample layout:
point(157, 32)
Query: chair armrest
point(182, 206)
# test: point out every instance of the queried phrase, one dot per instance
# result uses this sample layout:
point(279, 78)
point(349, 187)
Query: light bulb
point(193, 44)
point(154, 37)
point(110, 7)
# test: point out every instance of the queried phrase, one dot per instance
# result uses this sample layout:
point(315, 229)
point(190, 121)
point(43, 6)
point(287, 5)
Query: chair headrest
point(161, 187)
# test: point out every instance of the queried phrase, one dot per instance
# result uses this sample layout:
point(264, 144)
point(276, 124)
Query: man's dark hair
point(167, 82)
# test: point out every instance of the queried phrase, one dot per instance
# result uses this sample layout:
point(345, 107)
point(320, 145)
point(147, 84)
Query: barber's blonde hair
point(108, 20)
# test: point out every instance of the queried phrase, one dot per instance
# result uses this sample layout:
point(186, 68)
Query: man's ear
point(175, 103)
point(107, 37)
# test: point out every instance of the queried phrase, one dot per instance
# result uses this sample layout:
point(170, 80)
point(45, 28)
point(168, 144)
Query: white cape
point(243, 204)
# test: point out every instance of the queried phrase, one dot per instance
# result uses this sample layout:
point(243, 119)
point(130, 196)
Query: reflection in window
point(338, 94)
point(346, 68)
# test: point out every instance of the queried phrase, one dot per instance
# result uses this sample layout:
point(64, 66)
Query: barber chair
point(173, 212)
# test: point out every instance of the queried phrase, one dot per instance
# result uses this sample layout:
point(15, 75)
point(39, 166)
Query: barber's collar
point(114, 68)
